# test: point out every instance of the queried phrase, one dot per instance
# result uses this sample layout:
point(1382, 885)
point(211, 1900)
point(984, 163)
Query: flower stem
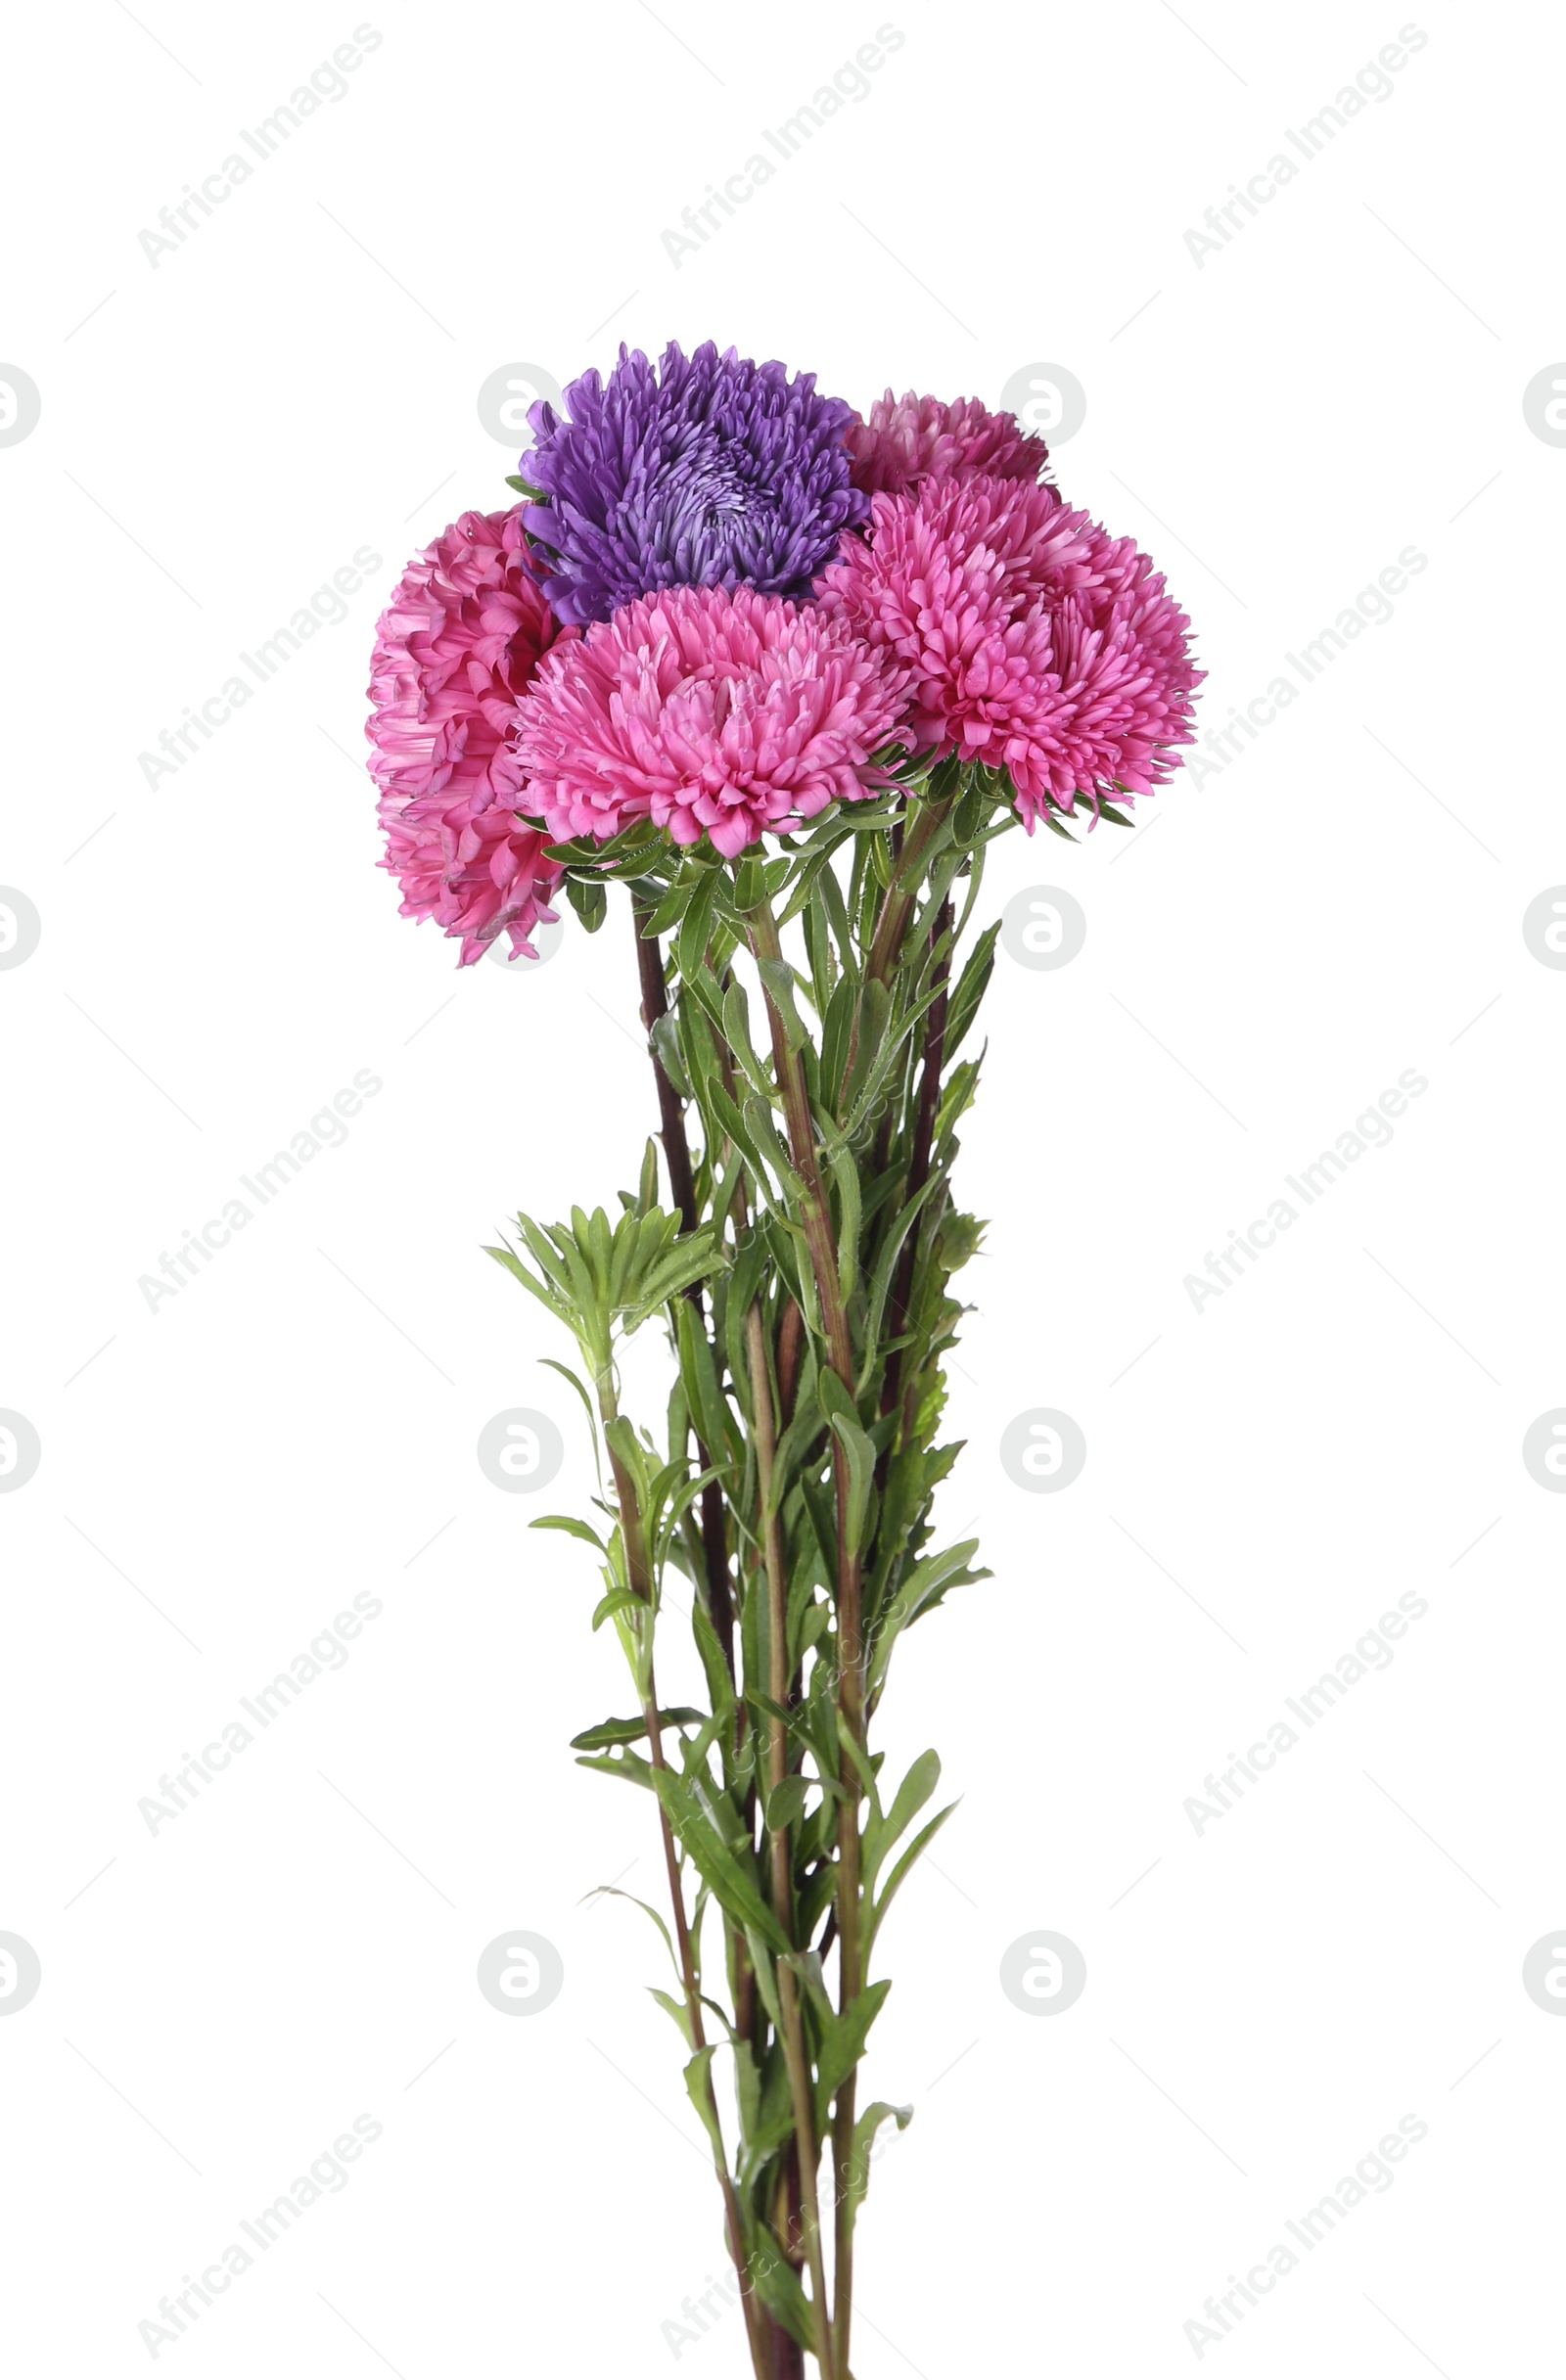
point(682, 1188)
point(816, 1220)
point(799, 2071)
point(926, 820)
point(639, 1574)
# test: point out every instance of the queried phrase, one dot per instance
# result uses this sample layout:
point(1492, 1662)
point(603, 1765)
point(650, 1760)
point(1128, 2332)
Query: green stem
point(799, 2071)
point(926, 820)
point(816, 1221)
point(638, 1570)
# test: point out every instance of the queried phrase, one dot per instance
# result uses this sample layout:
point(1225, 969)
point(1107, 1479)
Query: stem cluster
point(802, 1273)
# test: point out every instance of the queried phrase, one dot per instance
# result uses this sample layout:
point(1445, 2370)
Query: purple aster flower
point(709, 471)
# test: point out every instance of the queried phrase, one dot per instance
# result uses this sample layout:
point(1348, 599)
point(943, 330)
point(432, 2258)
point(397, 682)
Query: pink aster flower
point(910, 438)
point(1035, 641)
point(709, 711)
point(454, 648)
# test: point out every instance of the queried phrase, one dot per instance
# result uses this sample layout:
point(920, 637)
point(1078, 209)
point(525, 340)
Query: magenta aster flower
point(454, 648)
point(709, 471)
point(910, 438)
point(1035, 641)
point(709, 712)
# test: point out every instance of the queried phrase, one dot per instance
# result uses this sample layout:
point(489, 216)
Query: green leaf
point(612, 1892)
point(894, 1882)
point(765, 1976)
point(667, 1047)
point(631, 1731)
point(910, 1798)
point(764, 1133)
point(709, 1410)
point(617, 1599)
point(782, 2293)
point(972, 984)
point(844, 1420)
point(846, 1176)
point(696, 928)
point(886, 1268)
point(843, 2045)
point(874, 1013)
point(571, 1527)
point(627, 1764)
point(699, 2086)
point(777, 976)
point(737, 1028)
point(719, 1684)
point(679, 2011)
point(837, 1032)
point(589, 901)
point(925, 1584)
point(857, 2180)
point(729, 1873)
point(785, 1804)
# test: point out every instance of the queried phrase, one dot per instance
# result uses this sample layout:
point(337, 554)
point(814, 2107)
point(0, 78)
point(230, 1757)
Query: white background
point(220, 954)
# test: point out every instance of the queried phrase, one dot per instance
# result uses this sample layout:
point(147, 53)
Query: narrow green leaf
point(843, 2045)
point(857, 2180)
point(909, 1798)
point(785, 1804)
point(696, 928)
point(777, 976)
point(631, 1731)
point(571, 1527)
point(846, 1177)
point(729, 1873)
point(894, 1881)
point(679, 2011)
point(699, 2086)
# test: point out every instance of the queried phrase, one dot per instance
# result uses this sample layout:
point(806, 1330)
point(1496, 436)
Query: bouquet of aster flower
point(784, 673)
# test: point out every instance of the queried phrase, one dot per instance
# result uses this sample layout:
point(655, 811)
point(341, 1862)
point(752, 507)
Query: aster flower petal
point(907, 440)
point(1033, 641)
point(454, 650)
point(731, 714)
point(706, 471)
